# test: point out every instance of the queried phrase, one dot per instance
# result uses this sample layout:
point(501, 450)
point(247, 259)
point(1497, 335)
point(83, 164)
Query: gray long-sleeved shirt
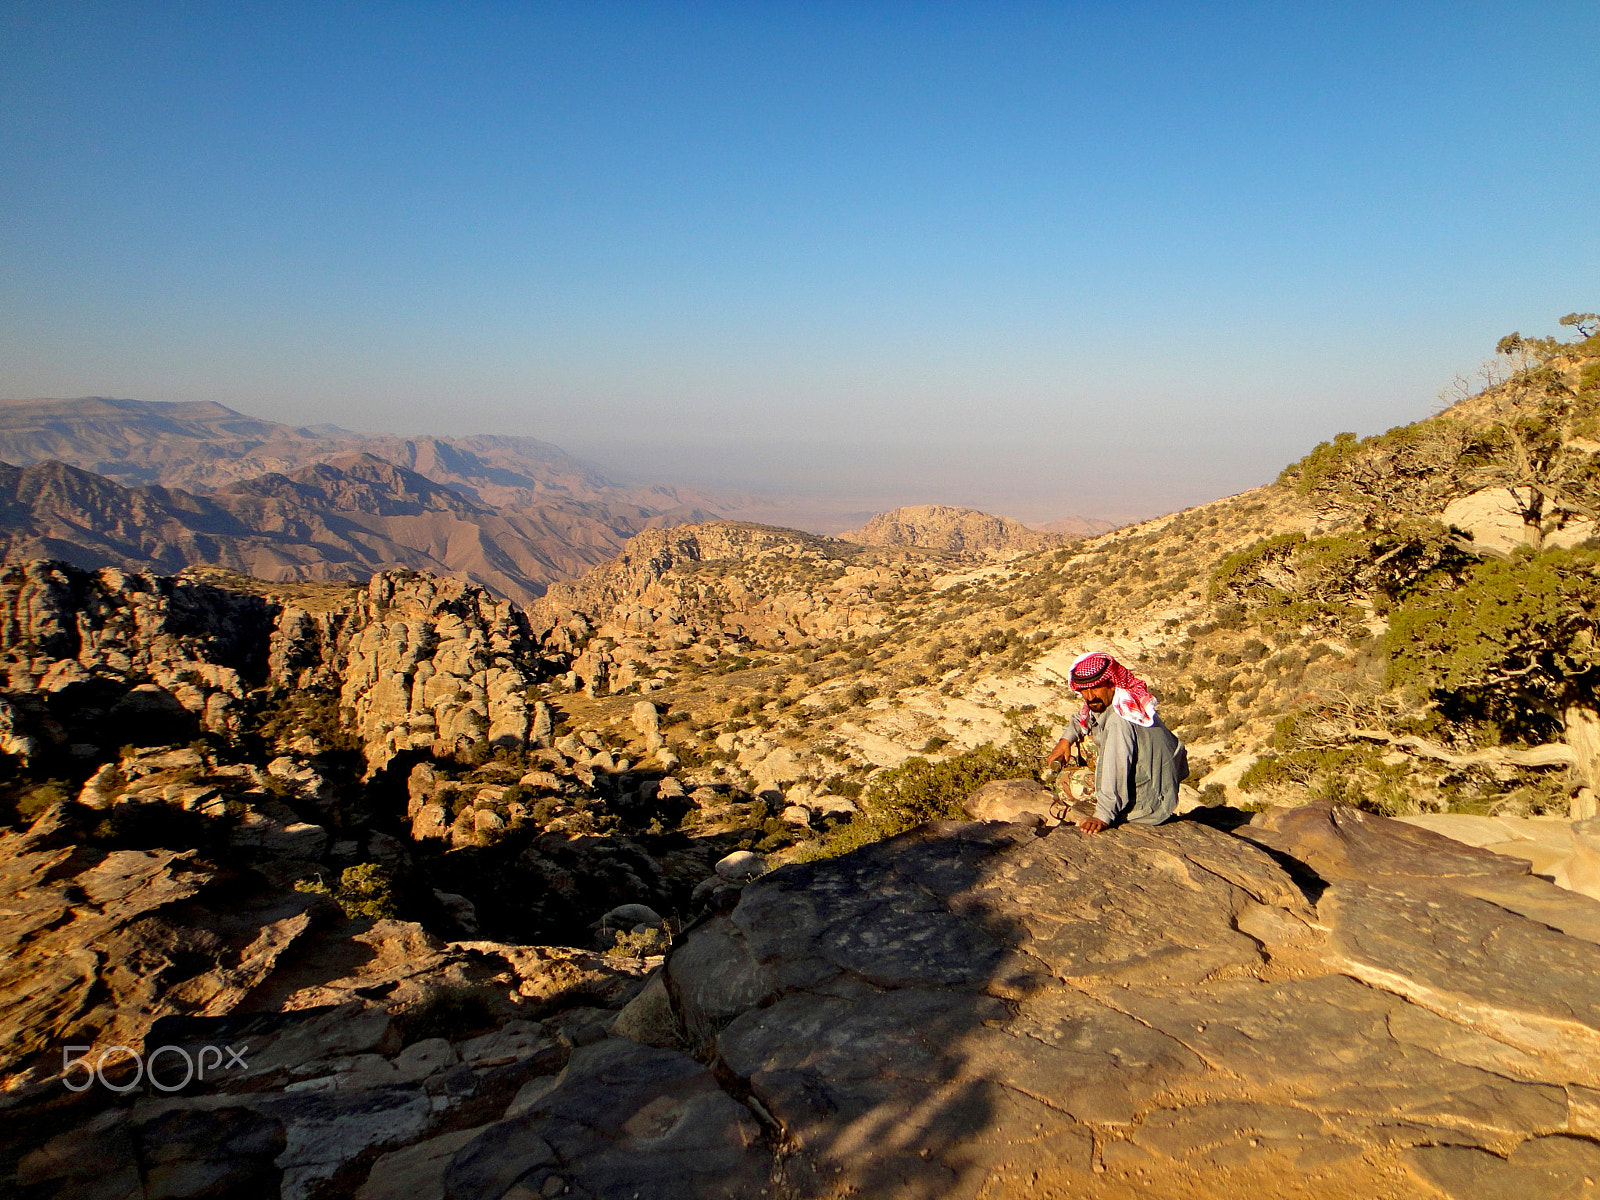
point(1137, 770)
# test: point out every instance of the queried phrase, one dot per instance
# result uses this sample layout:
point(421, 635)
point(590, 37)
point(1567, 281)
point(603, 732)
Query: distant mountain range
point(154, 485)
point(202, 446)
point(341, 519)
point(162, 486)
point(1077, 527)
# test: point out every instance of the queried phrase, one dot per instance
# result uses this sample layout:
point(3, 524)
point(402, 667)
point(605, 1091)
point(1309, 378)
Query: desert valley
point(437, 818)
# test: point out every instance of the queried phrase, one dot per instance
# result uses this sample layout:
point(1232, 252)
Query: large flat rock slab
point(1456, 929)
point(993, 1010)
point(1476, 962)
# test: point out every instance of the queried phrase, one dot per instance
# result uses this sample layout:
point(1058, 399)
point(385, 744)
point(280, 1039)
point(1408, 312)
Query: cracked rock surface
point(1323, 1005)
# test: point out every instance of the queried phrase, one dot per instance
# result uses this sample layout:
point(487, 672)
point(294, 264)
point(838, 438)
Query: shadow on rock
point(973, 1009)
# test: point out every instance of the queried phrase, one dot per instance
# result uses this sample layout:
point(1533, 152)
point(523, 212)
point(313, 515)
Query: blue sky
point(1096, 258)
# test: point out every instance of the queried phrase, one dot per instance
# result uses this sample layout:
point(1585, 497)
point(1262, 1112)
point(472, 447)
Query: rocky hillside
point(663, 885)
point(1319, 637)
point(954, 530)
point(343, 519)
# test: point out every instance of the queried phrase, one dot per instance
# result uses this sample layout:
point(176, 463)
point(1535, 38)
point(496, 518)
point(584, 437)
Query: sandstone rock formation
point(981, 1010)
point(415, 662)
point(696, 585)
point(95, 941)
point(1012, 800)
point(1565, 852)
point(226, 1038)
point(954, 530)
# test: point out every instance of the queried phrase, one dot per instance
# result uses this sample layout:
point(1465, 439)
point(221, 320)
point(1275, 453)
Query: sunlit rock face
point(417, 662)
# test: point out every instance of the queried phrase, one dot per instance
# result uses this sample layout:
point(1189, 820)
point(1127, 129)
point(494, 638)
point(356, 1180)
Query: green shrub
point(1266, 771)
point(1325, 462)
point(296, 713)
point(34, 800)
point(640, 943)
point(919, 790)
point(839, 785)
point(1512, 642)
point(367, 890)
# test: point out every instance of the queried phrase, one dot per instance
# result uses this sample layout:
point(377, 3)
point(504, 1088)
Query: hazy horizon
point(1044, 260)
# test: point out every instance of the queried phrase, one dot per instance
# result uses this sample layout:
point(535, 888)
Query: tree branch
point(1553, 754)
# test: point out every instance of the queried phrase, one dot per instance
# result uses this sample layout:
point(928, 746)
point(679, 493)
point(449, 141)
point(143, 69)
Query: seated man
point(1141, 761)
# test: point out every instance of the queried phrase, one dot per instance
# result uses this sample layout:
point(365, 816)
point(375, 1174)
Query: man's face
point(1098, 699)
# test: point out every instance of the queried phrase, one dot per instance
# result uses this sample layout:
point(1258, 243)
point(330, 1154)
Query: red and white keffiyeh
point(1133, 701)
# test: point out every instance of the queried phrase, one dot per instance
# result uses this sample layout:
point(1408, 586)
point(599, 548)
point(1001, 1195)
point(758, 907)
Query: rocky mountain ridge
point(162, 486)
point(203, 446)
point(341, 519)
point(1076, 527)
point(955, 530)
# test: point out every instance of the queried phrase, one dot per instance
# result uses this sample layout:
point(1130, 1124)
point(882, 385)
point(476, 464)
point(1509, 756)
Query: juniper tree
point(1512, 634)
point(1533, 450)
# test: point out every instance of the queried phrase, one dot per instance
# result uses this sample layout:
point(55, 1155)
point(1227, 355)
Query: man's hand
point(1059, 754)
point(1092, 825)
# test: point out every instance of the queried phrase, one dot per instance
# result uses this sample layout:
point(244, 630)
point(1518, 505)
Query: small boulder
point(1012, 800)
point(430, 821)
point(648, 1018)
point(543, 726)
point(420, 785)
point(645, 718)
point(631, 916)
point(582, 1026)
point(829, 805)
point(741, 866)
point(515, 1041)
point(422, 1059)
point(102, 787)
point(462, 911)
